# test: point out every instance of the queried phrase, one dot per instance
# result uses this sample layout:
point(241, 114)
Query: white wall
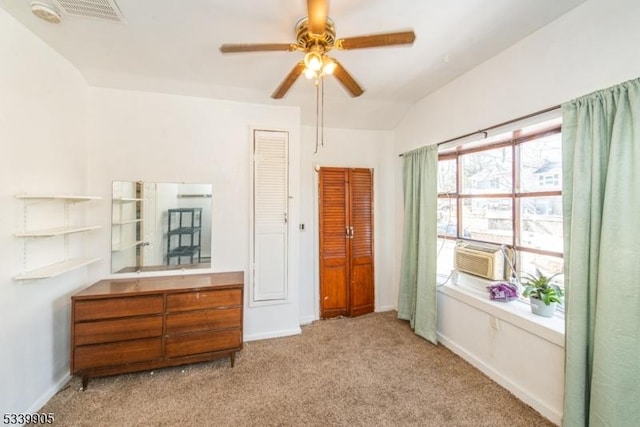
point(42, 136)
point(346, 148)
point(590, 48)
point(169, 138)
point(520, 351)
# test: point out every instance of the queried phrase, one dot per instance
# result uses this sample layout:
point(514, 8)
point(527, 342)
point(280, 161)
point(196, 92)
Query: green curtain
point(601, 197)
point(417, 294)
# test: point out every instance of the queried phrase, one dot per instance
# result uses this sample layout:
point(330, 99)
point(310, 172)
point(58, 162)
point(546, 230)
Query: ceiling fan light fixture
point(315, 38)
point(309, 73)
point(313, 61)
point(328, 66)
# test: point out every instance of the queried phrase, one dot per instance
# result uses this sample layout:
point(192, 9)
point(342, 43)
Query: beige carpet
point(366, 371)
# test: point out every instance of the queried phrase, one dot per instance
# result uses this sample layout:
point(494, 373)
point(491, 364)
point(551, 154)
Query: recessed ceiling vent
point(99, 9)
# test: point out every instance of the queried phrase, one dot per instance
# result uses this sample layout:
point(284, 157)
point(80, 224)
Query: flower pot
point(541, 309)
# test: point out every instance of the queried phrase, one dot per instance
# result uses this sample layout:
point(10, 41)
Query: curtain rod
point(508, 122)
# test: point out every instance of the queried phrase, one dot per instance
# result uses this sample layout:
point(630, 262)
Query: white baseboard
point(551, 414)
point(273, 334)
point(307, 320)
point(38, 404)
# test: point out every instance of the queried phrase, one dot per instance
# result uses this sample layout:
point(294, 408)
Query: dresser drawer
point(204, 342)
point(204, 299)
point(117, 307)
point(119, 353)
point(203, 320)
point(104, 331)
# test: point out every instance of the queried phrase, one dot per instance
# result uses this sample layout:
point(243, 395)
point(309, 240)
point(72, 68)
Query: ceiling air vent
point(99, 9)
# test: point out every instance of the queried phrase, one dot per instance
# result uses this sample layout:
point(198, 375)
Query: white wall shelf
point(35, 216)
point(58, 231)
point(127, 199)
point(125, 246)
point(70, 198)
point(56, 269)
point(128, 221)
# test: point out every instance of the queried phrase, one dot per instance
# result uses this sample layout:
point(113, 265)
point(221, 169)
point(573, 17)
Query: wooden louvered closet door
point(346, 242)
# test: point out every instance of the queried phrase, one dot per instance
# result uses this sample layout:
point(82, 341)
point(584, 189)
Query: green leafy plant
point(540, 287)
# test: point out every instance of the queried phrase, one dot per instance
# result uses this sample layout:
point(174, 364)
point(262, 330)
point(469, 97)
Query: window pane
point(447, 176)
point(489, 220)
point(548, 265)
point(447, 218)
point(541, 223)
point(541, 164)
point(445, 257)
point(487, 172)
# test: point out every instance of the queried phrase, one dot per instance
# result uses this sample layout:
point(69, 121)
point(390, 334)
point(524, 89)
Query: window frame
point(514, 140)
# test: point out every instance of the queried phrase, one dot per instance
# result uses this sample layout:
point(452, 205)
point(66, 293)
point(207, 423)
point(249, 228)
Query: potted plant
point(543, 295)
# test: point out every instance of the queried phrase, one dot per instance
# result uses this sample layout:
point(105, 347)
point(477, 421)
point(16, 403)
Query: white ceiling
point(172, 46)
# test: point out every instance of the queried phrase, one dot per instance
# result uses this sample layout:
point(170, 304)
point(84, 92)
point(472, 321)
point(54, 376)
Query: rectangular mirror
point(160, 226)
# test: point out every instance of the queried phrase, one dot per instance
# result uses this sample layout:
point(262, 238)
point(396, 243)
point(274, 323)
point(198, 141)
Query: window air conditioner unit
point(483, 261)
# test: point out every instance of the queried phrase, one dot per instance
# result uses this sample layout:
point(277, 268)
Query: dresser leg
point(85, 382)
point(232, 356)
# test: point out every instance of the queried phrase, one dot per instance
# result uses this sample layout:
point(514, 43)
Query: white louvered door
point(270, 211)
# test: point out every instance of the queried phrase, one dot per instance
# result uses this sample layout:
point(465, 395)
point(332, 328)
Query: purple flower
point(502, 291)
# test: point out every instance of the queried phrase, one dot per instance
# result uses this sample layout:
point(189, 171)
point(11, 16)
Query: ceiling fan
point(316, 36)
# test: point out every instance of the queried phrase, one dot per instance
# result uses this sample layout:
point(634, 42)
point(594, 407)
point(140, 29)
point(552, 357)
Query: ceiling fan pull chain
point(322, 112)
point(317, 115)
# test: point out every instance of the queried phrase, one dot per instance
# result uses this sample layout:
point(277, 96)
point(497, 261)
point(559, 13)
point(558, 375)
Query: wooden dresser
point(127, 325)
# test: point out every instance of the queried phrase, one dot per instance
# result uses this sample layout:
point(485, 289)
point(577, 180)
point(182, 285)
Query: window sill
point(517, 313)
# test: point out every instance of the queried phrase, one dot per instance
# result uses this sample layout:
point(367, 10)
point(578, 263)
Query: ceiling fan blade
point(288, 81)
point(256, 47)
point(318, 12)
point(346, 80)
point(376, 40)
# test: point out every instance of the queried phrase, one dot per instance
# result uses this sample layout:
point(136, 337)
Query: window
point(506, 189)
